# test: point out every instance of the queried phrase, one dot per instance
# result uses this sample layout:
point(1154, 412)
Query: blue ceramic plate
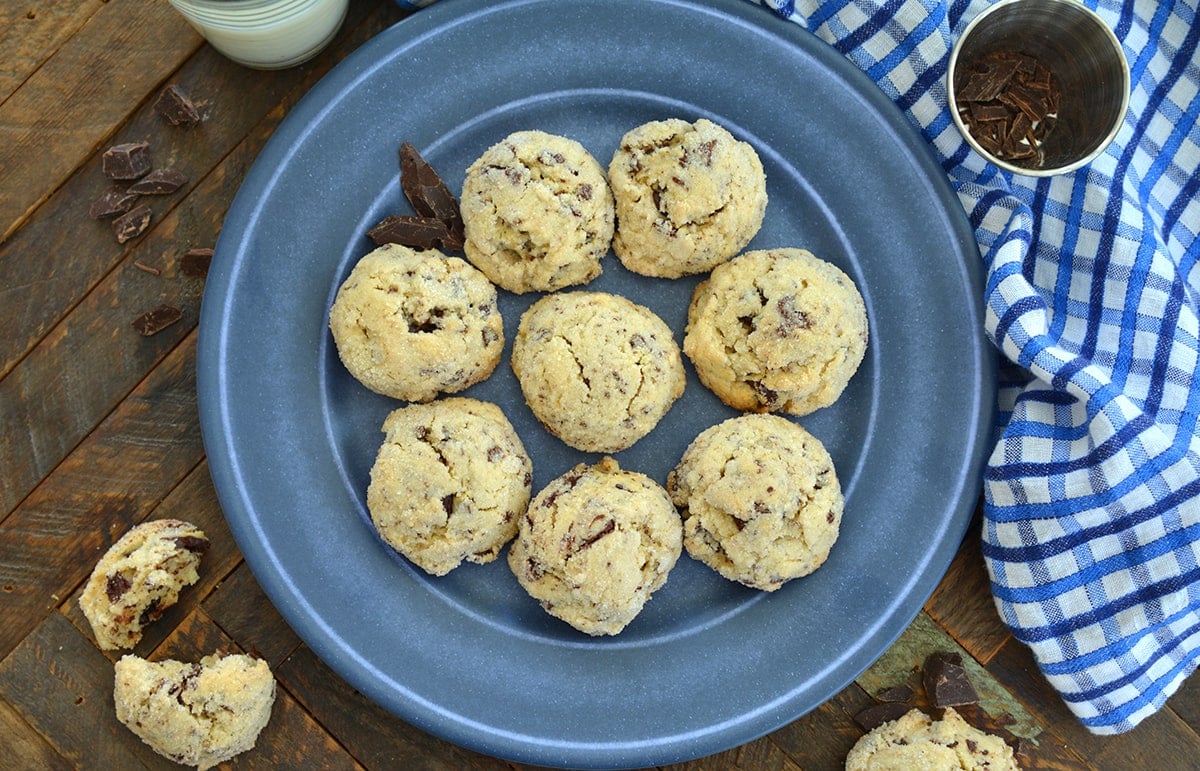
point(469, 657)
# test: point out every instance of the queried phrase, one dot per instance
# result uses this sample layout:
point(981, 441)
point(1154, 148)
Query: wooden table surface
point(100, 432)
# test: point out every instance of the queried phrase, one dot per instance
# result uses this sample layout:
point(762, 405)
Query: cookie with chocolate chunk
point(139, 577)
point(760, 499)
point(916, 741)
point(598, 370)
point(195, 714)
point(537, 212)
point(412, 324)
point(776, 330)
point(688, 195)
point(448, 483)
point(595, 544)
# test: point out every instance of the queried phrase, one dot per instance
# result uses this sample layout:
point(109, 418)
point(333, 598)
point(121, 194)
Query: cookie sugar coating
point(411, 324)
point(776, 330)
point(597, 370)
point(195, 714)
point(915, 742)
point(538, 213)
point(139, 577)
point(595, 544)
point(760, 499)
point(689, 196)
point(449, 482)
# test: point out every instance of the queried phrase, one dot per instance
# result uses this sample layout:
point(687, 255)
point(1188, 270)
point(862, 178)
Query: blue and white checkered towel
point(1092, 518)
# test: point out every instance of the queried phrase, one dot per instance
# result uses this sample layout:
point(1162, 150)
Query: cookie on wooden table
point(689, 196)
point(760, 499)
point(449, 482)
point(595, 544)
point(139, 577)
point(412, 324)
point(598, 370)
point(776, 330)
point(195, 714)
point(538, 213)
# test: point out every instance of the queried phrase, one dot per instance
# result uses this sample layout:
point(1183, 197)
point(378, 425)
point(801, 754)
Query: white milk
point(265, 34)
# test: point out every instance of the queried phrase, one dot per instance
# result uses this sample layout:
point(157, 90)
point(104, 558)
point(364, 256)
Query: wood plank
point(115, 477)
point(759, 755)
point(63, 686)
point(60, 254)
point(820, 740)
point(1160, 741)
point(31, 32)
point(19, 740)
point(88, 362)
point(195, 501)
point(962, 604)
point(1186, 702)
point(40, 143)
point(374, 736)
point(241, 608)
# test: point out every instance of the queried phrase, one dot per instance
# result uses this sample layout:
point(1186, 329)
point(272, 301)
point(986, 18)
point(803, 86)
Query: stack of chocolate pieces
point(1010, 103)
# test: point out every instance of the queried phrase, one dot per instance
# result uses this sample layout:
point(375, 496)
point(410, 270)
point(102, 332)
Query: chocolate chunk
point(416, 231)
point(193, 543)
point(1009, 103)
point(946, 681)
point(130, 160)
point(157, 319)
point(426, 191)
point(159, 182)
point(174, 105)
point(195, 262)
point(131, 224)
point(113, 201)
point(116, 586)
point(877, 714)
point(897, 693)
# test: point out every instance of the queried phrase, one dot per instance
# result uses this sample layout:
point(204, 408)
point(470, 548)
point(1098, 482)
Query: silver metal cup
point(1085, 57)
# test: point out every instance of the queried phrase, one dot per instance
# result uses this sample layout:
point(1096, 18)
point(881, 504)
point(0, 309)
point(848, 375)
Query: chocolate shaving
point(130, 160)
point(113, 201)
point(157, 319)
point(131, 224)
point(174, 105)
point(159, 182)
point(195, 262)
point(897, 693)
point(415, 231)
point(153, 271)
point(1009, 103)
point(946, 681)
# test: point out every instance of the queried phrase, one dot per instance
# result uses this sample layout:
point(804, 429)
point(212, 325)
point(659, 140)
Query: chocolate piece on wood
point(897, 693)
point(946, 681)
point(175, 105)
point(113, 201)
point(877, 714)
point(129, 160)
point(425, 190)
point(415, 231)
point(159, 182)
point(157, 319)
point(195, 262)
point(131, 224)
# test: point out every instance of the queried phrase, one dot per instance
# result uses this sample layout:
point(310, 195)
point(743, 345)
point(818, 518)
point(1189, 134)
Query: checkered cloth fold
point(1092, 494)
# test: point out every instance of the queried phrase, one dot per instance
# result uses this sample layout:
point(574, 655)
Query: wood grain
point(31, 32)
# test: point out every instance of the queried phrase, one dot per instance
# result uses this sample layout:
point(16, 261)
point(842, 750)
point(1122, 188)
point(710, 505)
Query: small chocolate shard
point(417, 231)
point(130, 160)
point(113, 201)
point(946, 681)
point(176, 107)
point(897, 693)
point(877, 714)
point(195, 262)
point(132, 223)
point(425, 190)
point(159, 182)
point(157, 319)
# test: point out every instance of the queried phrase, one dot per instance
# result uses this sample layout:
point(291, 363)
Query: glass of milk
point(265, 34)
